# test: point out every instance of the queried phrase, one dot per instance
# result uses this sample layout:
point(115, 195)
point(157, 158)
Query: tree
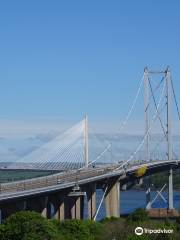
point(74, 229)
point(26, 225)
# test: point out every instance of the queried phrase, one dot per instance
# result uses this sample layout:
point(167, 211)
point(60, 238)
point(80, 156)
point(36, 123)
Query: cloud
point(28, 128)
point(44, 137)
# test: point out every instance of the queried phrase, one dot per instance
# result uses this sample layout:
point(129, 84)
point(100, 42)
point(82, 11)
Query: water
point(133, 199)
point(129, 201)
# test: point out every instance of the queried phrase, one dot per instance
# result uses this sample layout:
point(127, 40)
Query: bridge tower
point(86, 147)
point(167, 128)
point(146, 111)
point(169, 134)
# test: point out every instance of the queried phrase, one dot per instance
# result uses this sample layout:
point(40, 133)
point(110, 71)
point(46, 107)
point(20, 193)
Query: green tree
point(78, 229)
point(26, 225)
point(74, 230)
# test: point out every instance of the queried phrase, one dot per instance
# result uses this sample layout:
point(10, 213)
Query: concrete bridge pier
point(56, 203)
point(91, 200)
point(59, 208)
point(170, 192)
point(77, 207)
point(148, 199)
point(112, 199)
point(45, 207)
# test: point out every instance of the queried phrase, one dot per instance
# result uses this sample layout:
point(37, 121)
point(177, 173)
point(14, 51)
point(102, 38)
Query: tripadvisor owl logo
point(138, 231)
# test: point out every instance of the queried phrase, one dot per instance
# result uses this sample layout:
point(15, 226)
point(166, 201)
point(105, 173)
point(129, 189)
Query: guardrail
point(51, 180)
point(65, 177)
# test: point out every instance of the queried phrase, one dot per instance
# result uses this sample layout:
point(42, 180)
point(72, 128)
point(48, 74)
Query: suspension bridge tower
point(86, 148)
point(149, 93)
point(169, 134)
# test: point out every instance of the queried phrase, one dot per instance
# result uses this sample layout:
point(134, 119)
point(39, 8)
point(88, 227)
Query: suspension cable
point(145, 136)
point(101, 154)
point(98, 157)
point(135, 100)
point(177, 108)
point(130, 110)
point(102, 143)
point(139, 146)
point(132, 106)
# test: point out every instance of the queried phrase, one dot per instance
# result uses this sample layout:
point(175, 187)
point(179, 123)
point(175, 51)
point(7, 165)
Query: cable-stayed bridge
point(64, 152)
point(80, 172)
point(67, 151)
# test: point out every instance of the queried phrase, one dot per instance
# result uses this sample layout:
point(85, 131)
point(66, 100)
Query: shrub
point(139, 215)
point(109, 219)
point(26, 225)
point(74, 230)
point(95, 229)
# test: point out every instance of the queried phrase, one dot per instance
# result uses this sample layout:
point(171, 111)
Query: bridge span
point(66, 191)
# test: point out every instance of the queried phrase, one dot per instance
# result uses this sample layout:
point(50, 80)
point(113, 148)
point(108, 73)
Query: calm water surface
point(133, 199)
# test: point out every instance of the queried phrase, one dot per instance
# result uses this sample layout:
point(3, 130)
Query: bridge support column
point(91, 199)
point(77, 207)
point(59, 210)
point(60, 213)
point(44, 212)
point(170, 192)
point(112, 200)
point(46, 208)
point(148, 198)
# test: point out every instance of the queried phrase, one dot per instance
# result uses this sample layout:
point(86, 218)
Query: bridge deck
point(64, 180)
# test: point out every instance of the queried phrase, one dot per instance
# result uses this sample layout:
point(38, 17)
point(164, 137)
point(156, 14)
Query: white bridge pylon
point(66, 151)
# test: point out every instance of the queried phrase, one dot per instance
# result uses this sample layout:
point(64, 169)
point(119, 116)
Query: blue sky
point(61, 59)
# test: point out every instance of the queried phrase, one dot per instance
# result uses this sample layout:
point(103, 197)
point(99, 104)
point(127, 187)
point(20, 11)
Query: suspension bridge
point(78, 171)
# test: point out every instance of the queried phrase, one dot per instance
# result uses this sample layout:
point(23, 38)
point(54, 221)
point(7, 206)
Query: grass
point(15, 175)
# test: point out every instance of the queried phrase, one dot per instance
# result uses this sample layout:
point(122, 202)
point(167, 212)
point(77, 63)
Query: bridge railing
point(45, 181)
point(69, 176)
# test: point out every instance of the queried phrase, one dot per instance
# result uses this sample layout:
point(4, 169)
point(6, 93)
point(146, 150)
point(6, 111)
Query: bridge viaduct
point(62, 195)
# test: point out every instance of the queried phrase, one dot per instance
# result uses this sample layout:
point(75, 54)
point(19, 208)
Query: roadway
point(66, 180)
